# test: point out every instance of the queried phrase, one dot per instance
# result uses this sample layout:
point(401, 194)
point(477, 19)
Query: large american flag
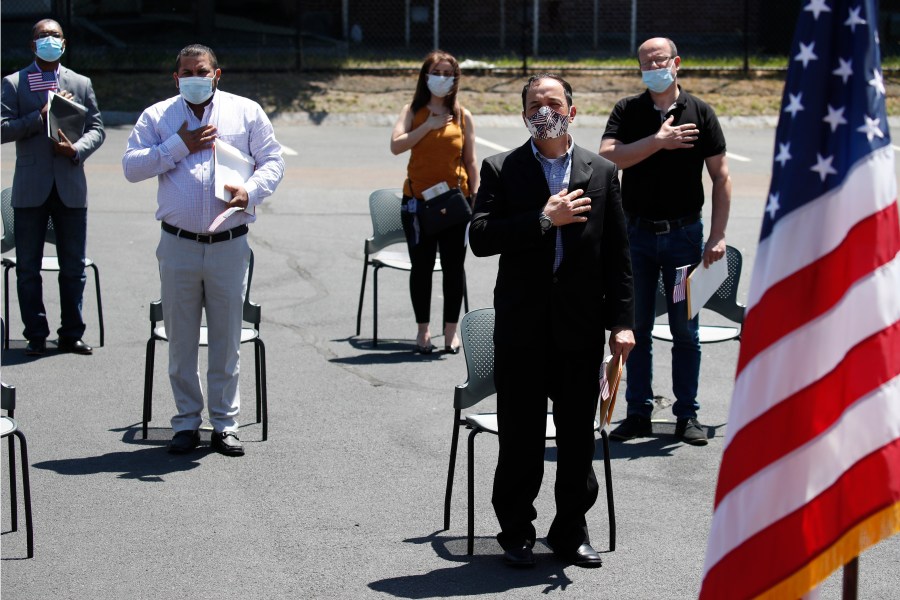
point(810, 475)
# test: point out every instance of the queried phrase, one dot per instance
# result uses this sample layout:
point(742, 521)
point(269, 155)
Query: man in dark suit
point(49, 182)
point(553, 213)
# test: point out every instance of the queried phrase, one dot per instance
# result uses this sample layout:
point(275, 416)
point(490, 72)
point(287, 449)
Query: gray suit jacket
point(37, 166)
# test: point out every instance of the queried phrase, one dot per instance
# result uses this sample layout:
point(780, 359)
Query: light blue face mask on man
point(196, 90)
point(49, 48)
point(658, 80)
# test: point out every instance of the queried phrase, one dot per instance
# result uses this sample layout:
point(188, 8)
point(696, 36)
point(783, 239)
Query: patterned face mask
point(547, 124)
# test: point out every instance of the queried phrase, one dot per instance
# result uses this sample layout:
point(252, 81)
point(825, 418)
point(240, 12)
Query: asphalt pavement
point(345, 498)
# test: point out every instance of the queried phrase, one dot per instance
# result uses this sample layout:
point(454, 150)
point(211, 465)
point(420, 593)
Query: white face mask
point(196, 90)
point(440, 86)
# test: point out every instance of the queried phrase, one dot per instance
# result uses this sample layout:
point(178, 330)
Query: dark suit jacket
point(592, 289)
point(37, 166)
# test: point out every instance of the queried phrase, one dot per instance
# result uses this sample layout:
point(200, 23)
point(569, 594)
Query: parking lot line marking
point(490, 145)
point(737, 157)
point(288, 151)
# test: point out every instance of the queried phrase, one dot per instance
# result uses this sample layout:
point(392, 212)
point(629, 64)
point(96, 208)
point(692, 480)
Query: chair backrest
point(387, 228)
point(8, 399)
point(252, 311)
point(724, 301)
point(8, 242)
point(477, 333)
point(50, 236)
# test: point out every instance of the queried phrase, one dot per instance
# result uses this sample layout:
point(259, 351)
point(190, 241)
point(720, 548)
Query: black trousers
point(525, 378)
point(423, 254)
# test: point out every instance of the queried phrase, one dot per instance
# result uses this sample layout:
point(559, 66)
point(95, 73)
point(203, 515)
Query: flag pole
point(851, 579)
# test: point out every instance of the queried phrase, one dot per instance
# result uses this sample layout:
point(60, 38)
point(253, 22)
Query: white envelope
point(703, 283)
point(232, 167)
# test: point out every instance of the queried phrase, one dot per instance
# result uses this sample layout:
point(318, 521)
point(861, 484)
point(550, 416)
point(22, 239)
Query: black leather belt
point(206, 238)
point(661, 227)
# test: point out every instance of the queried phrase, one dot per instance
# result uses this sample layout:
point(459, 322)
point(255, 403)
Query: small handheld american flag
point(678, 290)
point(42, 81)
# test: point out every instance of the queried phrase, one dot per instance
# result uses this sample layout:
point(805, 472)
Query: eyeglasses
point(45, 34)
point(658, 63)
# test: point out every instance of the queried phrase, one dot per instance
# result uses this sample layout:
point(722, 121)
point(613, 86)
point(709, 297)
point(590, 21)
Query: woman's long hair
point(423, 95)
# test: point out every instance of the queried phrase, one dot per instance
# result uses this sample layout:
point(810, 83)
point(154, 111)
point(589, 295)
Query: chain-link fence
point(125, 35)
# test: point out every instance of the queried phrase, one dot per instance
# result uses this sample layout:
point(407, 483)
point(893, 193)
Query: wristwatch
point(545, 222)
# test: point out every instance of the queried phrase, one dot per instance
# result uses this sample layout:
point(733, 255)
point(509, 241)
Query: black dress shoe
point(520, 556)
point(36, 348)
point(184, 441)
point(451, 350)
point(584, 556)
point(76, 346)
point(227, 443)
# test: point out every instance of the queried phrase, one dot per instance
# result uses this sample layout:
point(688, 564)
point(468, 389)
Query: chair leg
point(148, 384)
point(13, 504)
point(610, 505)
point(454, 442)
point(26, 489)
point(263, 391)
point(6, 307)
point(99, 302)
point(362, 293)
point(470, 546)
point(465, 292)
point(375, 301)
point(257, 383)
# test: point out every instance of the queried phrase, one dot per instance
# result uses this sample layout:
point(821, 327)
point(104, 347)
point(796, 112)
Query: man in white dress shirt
point(173, 140)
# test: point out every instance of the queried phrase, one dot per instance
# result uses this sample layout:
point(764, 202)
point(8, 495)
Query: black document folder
point(66, 115)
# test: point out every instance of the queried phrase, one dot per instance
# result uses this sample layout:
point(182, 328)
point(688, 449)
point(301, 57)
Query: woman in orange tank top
point(440, 136)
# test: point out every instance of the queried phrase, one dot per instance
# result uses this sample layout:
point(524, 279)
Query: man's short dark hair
point(195, 50)
point(534, 78)
point(34, 27)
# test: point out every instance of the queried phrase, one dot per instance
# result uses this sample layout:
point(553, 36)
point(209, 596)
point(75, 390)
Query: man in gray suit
point(49, 182)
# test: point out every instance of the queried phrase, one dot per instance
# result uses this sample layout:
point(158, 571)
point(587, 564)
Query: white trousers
point(193, 277)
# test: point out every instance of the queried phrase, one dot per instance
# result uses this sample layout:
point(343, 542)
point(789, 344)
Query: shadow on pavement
point(388, 352)
point(482, 573)
point(148, 464)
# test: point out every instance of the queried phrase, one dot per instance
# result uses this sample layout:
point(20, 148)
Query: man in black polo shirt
point(661, 139)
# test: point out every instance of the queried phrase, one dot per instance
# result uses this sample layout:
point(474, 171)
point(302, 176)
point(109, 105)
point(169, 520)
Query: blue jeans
point(650, 254)
point(70, 225)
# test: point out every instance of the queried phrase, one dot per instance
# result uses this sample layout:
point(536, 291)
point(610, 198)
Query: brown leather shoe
point(227, 443)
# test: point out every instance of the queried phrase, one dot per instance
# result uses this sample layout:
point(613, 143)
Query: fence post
point(437, 24)
point(746, 37)
point(524, 38)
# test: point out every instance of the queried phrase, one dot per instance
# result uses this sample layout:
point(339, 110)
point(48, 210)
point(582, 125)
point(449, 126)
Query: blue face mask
point(196, 90)
point(49, 48)
point(658, 80)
